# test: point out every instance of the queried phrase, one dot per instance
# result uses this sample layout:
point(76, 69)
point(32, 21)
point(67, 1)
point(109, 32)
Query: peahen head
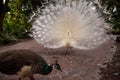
point(48, 69)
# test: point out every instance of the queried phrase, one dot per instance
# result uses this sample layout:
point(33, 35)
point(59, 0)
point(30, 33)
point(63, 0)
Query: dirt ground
point(77, 65)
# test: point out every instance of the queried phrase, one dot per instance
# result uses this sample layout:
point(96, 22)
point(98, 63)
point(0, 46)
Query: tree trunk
point(3, 9)
point(1, 6)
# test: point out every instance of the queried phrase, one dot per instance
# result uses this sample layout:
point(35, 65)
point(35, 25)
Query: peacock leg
point(68, 50)
point(32, 78)
point(19, 78)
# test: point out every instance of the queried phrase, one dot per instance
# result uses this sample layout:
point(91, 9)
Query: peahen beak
point(57, 66)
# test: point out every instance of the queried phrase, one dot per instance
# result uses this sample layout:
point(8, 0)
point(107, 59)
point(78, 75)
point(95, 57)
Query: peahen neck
point(47, 69)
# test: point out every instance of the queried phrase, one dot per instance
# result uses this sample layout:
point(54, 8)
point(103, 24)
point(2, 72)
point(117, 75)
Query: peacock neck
point(47, 69)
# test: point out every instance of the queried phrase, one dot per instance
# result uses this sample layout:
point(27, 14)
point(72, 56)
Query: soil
point(76, 64)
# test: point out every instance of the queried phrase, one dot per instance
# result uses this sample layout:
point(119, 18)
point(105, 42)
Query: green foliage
point(29, 5)
point(6, 37)
point(115, 15)
point(116, 26)
point(15, 23)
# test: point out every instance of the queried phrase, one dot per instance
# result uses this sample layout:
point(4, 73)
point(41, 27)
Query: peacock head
point(57, 66)
point(48, 69)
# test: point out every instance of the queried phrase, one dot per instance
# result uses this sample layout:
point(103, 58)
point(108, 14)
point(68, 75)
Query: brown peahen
point(24, 63)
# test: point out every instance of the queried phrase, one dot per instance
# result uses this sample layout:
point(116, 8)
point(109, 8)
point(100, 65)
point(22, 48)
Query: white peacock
point(69, 23)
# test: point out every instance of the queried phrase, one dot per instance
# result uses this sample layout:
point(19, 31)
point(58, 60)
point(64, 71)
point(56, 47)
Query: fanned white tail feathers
point(73, 22)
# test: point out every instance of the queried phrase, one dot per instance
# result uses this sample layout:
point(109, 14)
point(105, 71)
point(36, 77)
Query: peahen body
point(24, 63)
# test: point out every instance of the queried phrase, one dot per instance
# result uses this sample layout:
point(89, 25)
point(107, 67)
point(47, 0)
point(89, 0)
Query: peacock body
point(24, 63)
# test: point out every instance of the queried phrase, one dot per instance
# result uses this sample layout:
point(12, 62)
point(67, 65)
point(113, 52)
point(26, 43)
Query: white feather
point(73, 22)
